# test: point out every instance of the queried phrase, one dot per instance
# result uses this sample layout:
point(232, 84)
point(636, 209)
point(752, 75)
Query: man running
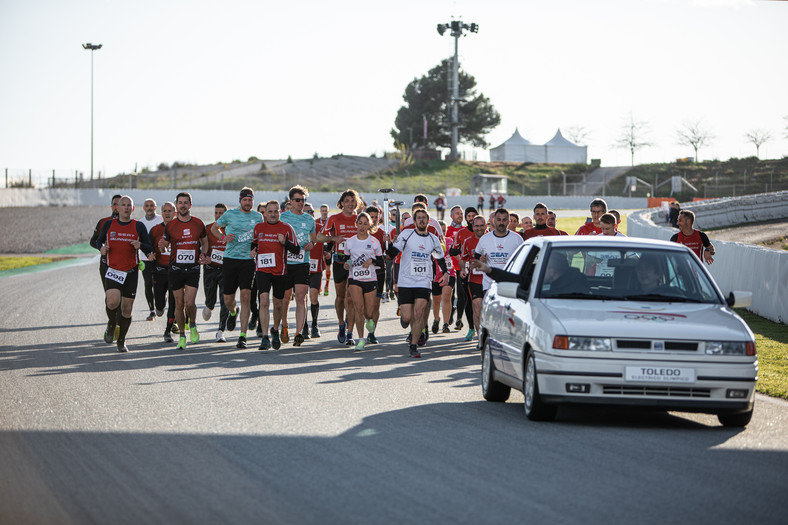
point(540, 229)
point(609, 225)
point(598, 208)
point(272, 241)
point(317, 264)
point(118, 241)
point(238, 269)
point(694, 239)
point(298, 263)
point(551, 221)
point(441, 295)
point(474, 277)
point(150, 220)
point(320, 223)
point(113, 206)
point(498, 246)
point(188, 242)
point(415, 279)
point(160, 262)
point(464, 303)
point(340, 227)
point(212, 275)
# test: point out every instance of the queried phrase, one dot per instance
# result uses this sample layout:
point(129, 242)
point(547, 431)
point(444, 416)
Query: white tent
point(557, 150)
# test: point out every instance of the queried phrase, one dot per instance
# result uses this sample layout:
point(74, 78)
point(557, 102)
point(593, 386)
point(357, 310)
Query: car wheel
point(735, 420)
point(535, 408)
point(492, 390)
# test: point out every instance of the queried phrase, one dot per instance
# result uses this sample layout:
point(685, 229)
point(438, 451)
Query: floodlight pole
point(457, 28)
point(92, 48)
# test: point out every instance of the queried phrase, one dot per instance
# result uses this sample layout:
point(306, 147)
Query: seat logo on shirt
point(187, 231)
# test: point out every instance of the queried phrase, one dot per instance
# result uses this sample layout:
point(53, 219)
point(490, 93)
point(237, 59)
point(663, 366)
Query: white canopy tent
point(557, 150)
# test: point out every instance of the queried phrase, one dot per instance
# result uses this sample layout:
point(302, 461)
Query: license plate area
point(660, 374)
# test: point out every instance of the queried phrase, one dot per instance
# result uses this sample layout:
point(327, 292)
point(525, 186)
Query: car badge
point(659, 345)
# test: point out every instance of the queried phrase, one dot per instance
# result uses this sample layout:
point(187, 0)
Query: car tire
point(535, 408)
point(735, 420)
point(492, 390)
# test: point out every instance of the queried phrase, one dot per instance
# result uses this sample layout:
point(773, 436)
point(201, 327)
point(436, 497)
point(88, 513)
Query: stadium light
point(92, 48)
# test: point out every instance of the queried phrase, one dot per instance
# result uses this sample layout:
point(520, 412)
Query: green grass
point(771, 341)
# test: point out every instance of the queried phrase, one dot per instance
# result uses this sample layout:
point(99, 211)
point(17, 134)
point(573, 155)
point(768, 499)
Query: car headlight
point(730, 348)
point(591, 344)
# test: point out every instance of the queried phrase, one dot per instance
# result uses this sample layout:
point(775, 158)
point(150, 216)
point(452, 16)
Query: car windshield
point(625, 274)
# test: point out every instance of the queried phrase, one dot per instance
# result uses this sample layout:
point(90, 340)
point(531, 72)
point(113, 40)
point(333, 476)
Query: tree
point(578, 134)
point(759, 137)
point(428, 98)
point(631, 133)
point(695, 135)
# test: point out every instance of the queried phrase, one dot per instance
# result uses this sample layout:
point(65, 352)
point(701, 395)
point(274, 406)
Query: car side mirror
point(739, 299)
point(512, 291)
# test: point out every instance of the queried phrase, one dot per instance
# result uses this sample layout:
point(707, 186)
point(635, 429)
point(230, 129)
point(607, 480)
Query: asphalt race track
point(319, 434)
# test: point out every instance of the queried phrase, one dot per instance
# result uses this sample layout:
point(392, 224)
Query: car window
point(529, 266)
point(516, 262)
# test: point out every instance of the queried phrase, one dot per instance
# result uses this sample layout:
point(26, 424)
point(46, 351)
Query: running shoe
point(360, 345)
point(151, 316)
point(194, 337)
point(206, 313)
point(252, 322)
point(168, 337)
point(435, 326)
point(325, 292)
point(181, 343)
point(265, 344)
point(159, 312)
point(315, 332)
point(392, 295)
point(285, 335)
point(370, 326)
point(305, 331)
point(470, 334)
point(385, 298)
point(220, 337)
point(422, 338)
point(340, 335)
point(108, 337)
point(349, 341)
point(275, 342)
point(446, 329)
point(371, 339)
point(298, 339)
point(459, 325)
point(122, 346)
point(241, 342)
point(231, 319)
point(414, 351)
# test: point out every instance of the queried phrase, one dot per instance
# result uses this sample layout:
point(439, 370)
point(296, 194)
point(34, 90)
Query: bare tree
point(578, 134)
point(631, 136)
point(695, 135)
point(759, 137)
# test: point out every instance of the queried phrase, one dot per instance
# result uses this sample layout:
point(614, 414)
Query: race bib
point(266, 260)
point(341, 247)
point(217, 256)
point(313, 265)
point(359, 273)
point(115, 275)
point(293, 258)
point(184, 257)
point(418, 268)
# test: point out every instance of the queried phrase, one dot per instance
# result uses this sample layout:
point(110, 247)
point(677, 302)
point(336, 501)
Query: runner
point(609, 225)
point(340, 227)
point(415, 281)
point(150, 220)
point(455, 214)
point(475, 278)
point(160, 263)
point(380, 269)
point(273, 240)
point(527, 223)
point(327, 247)
point(113, 206)
point(212, 275)
point(389, 294)
point(365, 257)
point(514, 222)
point(298, 263)
point(118, 241)
point(317, 263)
point(540, 229)
point(254, 312)
point(188, 242)
point(498, 246)
point(238, 270)
point(551, 221)
point(441, 295)
point(598, 208)
point(694, 239)
point(464, 303)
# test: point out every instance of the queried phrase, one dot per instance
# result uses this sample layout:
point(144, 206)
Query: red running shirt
point(184, 240)
point(271, 254)
point(589, 229)
point(156, 234)
point(122, 255)
point(468, 253)
point(340, 225)
point(215, 248)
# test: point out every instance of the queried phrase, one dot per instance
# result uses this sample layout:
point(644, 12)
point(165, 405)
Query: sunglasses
point(299, 199)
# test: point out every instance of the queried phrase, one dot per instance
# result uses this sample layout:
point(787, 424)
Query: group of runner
point(285, 254)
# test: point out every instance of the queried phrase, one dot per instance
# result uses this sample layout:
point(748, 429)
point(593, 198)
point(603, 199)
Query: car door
point(504, 324)
point(517, 316)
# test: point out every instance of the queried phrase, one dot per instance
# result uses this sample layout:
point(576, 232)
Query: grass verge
point(12, 262)
point(771, 340)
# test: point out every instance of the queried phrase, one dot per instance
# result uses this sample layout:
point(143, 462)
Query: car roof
point(605, 241)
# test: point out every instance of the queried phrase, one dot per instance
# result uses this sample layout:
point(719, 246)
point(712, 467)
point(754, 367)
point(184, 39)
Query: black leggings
point(162, 293)
point(464, 301)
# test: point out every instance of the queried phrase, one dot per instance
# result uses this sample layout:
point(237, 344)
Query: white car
point(616, 321)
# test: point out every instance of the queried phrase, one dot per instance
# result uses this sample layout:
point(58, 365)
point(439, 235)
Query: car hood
point(682, 321)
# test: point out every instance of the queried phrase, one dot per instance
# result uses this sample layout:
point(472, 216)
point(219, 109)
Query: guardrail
point(737, 266)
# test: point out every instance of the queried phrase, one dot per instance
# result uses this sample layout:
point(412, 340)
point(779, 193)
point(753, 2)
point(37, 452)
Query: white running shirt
point(498, 251)
point(415, 270)
point(360, 252)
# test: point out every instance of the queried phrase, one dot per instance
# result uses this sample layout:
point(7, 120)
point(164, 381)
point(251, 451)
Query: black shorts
point(381, 283)
point(476, 290)
point(437, 289)
point(297, 274)
point(340, 274)
point(265, 281)
point(180, 278)
point(366, 286)
point(129, 286)
point(237, 273)
point(409, 295)
point(315, 279)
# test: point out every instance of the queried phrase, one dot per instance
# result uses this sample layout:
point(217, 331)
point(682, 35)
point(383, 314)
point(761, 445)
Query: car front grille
point(653, 390)
point(648, 344)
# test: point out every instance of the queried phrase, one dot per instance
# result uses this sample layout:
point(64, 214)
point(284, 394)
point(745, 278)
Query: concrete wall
point(737, 266)
point(19, 197)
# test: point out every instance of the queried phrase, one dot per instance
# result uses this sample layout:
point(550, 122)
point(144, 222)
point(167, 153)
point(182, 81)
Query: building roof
point(559, 140)
point(516, 138)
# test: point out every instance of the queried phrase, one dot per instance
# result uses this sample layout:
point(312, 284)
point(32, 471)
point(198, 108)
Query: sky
point(204, 81)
